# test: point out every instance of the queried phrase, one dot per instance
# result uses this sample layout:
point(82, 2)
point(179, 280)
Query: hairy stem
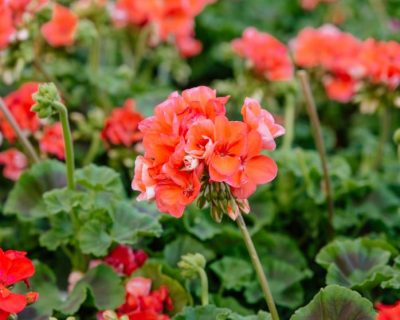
point(22, 138)
point(93, 149)
point(258, 267)
point(204, 287)
point(317, 133)
point(69, 149)
point(290, 112)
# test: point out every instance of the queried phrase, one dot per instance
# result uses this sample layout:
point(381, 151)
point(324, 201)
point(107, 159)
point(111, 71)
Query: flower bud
point(190, 265)
point(45, 98)
point(216, 214)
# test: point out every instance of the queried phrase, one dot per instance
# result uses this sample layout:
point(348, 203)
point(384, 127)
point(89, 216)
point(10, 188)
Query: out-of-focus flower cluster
point(347, 62)
point(192, 150)
point(167, 18)
point(14, 267)
point(312, 4)
point(268, 55)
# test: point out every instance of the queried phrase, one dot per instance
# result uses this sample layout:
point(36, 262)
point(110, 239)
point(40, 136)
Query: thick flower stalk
point(193, 151)
point(48, 103)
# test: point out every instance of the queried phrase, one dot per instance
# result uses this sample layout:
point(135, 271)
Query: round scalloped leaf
point(211, 312)
point(355, 263)
point(336, 303)
point(26, 198)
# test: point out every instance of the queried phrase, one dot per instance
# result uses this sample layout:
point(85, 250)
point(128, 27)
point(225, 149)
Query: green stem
point(290, 112)
point(69, 149)
point(258, 267)
point(384, 132)
point(22, 138)
point(141, 48)
point(94, 58)
point(93, 149)
point(204, 286)
point(317, 133)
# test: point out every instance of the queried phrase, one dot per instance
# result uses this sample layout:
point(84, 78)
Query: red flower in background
point(269, 56)
point(170, 18)
point(52, 142)
point(7, 28)
point(189, 141)
point(14, 267)
point(125, 260)
point(388, 312)
point(340, 87)
point(20, 103)
point(14, 163)
point(61, 29)
point(142, 303)
point(121, 127)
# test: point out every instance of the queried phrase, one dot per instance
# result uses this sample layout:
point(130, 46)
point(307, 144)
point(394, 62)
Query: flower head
point(121, 127)
point(14, 162)
point(61, 29)
point(269, 56)
point(192, 149)
point(14, 267)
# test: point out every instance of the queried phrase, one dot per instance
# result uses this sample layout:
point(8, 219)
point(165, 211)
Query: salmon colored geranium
point(61, 29)
point(269, 56)
point(20, 102)
point(14, 267)
point(190, 146)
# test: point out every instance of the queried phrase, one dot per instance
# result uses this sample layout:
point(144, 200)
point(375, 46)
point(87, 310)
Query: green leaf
point(284, 281)
point(130, 224)
point(183, 245)
point(26, 198)
point(233, 280)
point(199, 223)
point(178, 294)
point(211, 312)
point(103, 284)
point(59, 233)
point(94, 239)
point(98, 178)
point(62, 200)
point(355, 264)
point(336, 303)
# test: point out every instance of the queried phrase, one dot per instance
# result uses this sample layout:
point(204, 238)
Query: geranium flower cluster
point(61, 29)
point(11, 22)
point(169, 19)
point(347, 61)
point(121, 127)
point(269, 57)
point(192, 149)
point(14, 267)
point(388, 312)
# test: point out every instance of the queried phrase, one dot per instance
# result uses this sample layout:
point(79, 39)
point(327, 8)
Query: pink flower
point(52, 141)
point(14, 162)
point(262, 121)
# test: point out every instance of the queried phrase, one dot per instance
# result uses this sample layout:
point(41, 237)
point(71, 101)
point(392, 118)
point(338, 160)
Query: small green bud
point(190, 265)
point(45, 98)
point(216, 213)
point(396, 136)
